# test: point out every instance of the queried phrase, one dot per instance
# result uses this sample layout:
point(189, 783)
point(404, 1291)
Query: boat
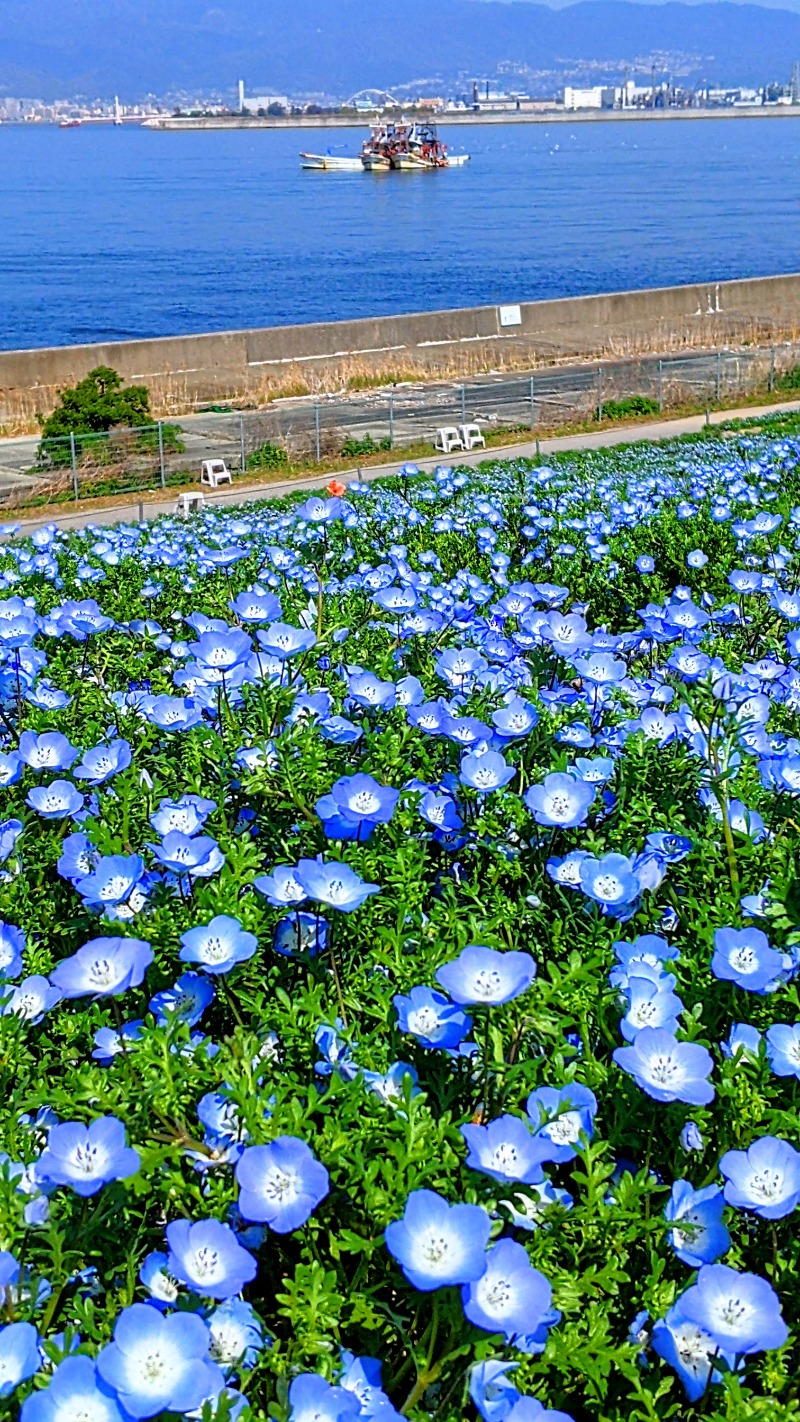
point(403, 147)
point(70, 123)
point(406, 148)
point(330, 163)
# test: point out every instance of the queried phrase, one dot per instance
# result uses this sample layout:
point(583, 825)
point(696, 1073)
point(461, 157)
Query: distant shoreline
point(459, 120)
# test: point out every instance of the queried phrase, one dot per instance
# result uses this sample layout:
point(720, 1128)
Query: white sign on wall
point(510, 315)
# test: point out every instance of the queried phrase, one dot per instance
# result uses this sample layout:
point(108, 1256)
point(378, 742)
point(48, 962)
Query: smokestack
point(241, 96)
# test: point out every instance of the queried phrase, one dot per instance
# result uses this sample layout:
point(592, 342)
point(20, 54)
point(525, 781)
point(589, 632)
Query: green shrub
point(268, 456)
point(631, 406)
point(790, 380)
point(352, 447)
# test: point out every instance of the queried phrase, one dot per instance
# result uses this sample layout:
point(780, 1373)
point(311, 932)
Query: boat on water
point(330, 163)
point(70, 123)
point(392, 147)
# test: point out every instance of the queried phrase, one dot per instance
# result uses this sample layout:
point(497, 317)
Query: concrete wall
point(185, 371)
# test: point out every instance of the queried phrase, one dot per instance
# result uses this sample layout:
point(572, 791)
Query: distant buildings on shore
point(479, 97)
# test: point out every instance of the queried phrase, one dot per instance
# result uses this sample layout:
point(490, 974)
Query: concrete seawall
point(176, 123)
point(254, 365)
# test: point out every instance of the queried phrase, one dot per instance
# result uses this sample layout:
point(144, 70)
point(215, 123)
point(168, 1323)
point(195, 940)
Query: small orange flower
point(336, 488)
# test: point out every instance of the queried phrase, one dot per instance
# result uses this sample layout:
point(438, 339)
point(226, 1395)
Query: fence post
point(161, 455)
point(599, 392)
point(533, 404)
point(242, 456)
point(391, 422)
point(660, 385)
point(463, 405)
point(719, 377)
point(74, 459)
point(771, 369)
point(317, 441)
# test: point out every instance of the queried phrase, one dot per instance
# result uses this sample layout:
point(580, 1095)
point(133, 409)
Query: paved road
point(603, 439)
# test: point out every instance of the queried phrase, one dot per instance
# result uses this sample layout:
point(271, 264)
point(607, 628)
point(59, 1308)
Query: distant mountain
point(59, 47)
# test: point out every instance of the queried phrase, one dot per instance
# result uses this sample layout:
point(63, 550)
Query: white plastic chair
point(472, 437)
point(448, 439)
point(190, 503)
point(214, 472)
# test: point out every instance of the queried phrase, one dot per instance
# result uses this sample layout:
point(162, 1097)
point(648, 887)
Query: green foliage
point(354, 448)
point(98, 402)
point(268, 456)
point(629, 408)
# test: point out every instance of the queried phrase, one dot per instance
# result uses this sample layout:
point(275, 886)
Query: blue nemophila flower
point(284, 641)
point(30, 1000)
point(691, 1138)
point(393, 1085)
point(610, 881)
point(491, 1389)
point(486, 977)
point(765, 1178)
point(336, 1053)
point(743, 1041)
point(87, 1157)
point(690, 1350)
point(12, 946)
point(530, 1409)
point(510, 1297)
point(698, 1235)
point(237, 1334)
point(185, 1002)
point(19, 1356)
point(300, 933)
point(198, 856)
point(208, 1258)
point(671, 848)
point(281, 888)
point(334, 884)
point(743, 956)
point(48, 751)
point(280, 1184)
point(313, 1399)
point(56, 801)
point(113, 882)
point(517, 718)
point(561, 800)
point(360, 798)
point(666, 1069)
point(104, 761)
point(485, 772)
point(783, 1049)
point(103, 967)
point(506, 1150)
point(741, 1312)
point(431, 1017)
point(75, 1391)
point(187, 815)
point(157, 1362)
point(218, 946)
point(362, 1378)
point(154, 1276)
point(560, 1116)
point(109, 1043)
point(648, 1005)
point(10, 831)
point(645, 564)
point(437, 1244)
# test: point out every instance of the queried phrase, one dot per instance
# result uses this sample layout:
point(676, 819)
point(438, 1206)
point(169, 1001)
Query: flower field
point(400, 947)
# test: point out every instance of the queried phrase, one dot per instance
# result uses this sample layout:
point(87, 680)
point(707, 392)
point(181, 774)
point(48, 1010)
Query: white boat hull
point(327, 163)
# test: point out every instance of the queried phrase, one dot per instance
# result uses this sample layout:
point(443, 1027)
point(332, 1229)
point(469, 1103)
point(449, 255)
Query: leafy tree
point(98, 403)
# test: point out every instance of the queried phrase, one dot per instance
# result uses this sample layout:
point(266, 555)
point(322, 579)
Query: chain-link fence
point(291, 434)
